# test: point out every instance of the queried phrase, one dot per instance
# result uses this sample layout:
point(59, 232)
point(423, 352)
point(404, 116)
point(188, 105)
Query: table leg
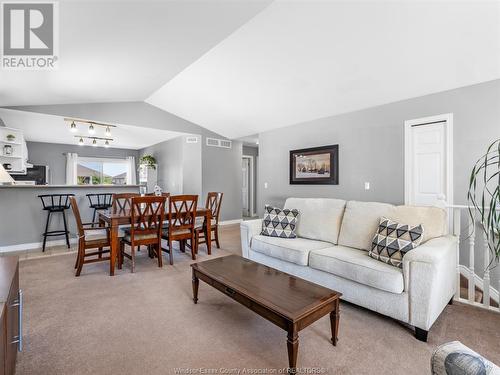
point(208, 235)
point(334, 322)
point(196, 284)
point(292, 344)
point(114, 249)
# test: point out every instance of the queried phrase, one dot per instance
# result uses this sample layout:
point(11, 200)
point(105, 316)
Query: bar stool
point(102, 201)
point(53, 203)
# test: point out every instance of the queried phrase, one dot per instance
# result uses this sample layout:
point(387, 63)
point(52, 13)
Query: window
point(97, 171)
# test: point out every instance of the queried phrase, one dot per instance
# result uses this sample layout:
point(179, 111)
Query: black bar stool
point(53, 203)
point(103, 201)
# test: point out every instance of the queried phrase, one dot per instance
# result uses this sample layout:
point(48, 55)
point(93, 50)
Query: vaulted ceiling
point(243, 67)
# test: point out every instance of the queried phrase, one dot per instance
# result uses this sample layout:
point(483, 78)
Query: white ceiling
point(53, 129)
point(302, 60)
point(124, 50)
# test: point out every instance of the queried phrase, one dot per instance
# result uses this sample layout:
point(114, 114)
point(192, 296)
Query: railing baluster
point(456, 212)
point(486, 277)
point(472, 281)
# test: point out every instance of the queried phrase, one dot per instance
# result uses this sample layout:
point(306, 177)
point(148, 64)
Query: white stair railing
point(469, 234)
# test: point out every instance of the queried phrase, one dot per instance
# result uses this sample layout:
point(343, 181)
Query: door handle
point(19, 303)
point(230, 291)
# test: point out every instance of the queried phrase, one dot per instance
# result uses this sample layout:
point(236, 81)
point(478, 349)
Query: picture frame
point(315, 166)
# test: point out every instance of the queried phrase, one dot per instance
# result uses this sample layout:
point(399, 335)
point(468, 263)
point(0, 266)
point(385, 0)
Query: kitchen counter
point(23, 220)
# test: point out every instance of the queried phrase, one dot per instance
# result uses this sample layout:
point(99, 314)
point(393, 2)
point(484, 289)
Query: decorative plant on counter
point(10, 137)
point(485, 199)
point(148, 161)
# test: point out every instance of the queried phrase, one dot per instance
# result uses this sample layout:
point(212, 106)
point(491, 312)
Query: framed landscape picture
point(315, 166)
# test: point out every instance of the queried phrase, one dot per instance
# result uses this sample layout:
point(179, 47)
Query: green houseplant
point(148, 161)
point(484, 196)
point(10, 137)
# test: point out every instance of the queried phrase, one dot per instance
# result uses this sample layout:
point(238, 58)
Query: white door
point(428, 161)
point(245, 197)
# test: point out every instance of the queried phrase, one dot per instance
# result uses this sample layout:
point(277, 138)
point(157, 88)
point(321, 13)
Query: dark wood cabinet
point(11, 305)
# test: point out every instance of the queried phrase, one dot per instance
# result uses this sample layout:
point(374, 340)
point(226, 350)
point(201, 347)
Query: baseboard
point(464, 270)
point(229, 222)
point(35, 245)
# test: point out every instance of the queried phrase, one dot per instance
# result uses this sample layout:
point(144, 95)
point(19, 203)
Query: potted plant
point(10, 137)
point(148, 161)
point(484, 196)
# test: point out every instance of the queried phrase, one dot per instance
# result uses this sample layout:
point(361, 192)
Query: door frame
point(447, 118)
point(251, 183)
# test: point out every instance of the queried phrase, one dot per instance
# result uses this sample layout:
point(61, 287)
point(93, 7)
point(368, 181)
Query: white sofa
point(334, 237)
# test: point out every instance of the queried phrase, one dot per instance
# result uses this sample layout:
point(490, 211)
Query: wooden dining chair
point(122, 202)
point(147, 214)
point(89, 237)
point(181, 218)
point(213, 203)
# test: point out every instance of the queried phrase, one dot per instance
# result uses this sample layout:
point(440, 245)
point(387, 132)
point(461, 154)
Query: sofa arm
point(249, 229)
point(430, 279)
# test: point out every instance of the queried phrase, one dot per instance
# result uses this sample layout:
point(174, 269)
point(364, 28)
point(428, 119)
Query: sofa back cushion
point(360, 222)
point(320, 218)
point(433, 219)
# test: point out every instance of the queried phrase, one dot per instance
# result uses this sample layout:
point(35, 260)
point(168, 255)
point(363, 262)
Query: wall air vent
point(191, 139)
point(221, 143)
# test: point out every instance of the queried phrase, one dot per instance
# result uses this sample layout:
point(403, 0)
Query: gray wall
point(53, 155)
point(371, 145)
point(221, 171)
point(179, 165)
point(254, 152)
point(371, 148)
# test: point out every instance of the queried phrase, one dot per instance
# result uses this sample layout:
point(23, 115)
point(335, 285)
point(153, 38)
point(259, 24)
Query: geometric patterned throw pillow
point(393, 240)
point(279, 223)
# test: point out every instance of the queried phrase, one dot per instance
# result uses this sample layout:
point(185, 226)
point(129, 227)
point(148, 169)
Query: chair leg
point(132, 253)
point(81, 258)
point(93, 217)
point(120, 255)
point(158, 252)
point(66, 233)
point(170, 252)
point(216, 231)
point(182, 245)
point(46, 230)
point(77, 255)
point(193, 248)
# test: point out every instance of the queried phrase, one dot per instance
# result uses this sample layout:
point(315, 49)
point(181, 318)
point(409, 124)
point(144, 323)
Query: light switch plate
point(367, 186)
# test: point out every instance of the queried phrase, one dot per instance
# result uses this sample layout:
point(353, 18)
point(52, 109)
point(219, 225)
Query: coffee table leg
point(334, 322)
point(196, 283)
point(292, 344)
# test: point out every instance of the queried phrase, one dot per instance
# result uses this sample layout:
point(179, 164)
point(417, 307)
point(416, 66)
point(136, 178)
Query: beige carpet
point(146, 323)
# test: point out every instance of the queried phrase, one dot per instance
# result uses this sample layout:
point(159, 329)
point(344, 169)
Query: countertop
point(66, 186)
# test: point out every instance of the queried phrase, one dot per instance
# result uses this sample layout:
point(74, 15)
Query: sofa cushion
point(393, 240)
point(320, 218)
point(360, 222)
point(356, 265)
point(294, 250)
point(433, 219)
point(279, 223)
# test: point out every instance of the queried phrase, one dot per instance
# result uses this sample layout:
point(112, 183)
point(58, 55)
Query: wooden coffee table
point(287, 301)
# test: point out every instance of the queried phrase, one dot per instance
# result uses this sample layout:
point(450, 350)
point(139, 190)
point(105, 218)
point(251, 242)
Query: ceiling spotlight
point(106, 144)
point(91, 129)
point(108, 131)
point(72, 127)
point(94, 143)
point(80, 142)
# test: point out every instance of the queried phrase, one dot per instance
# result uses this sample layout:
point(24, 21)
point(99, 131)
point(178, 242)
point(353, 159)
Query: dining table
point(115, 218)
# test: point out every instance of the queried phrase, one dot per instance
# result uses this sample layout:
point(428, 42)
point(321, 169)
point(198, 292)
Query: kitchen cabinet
point(11, 314)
